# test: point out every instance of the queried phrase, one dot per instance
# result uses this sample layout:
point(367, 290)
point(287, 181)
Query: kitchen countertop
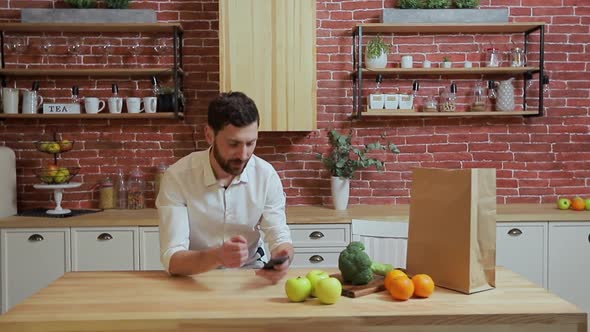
point(298, 215)
point(229, 300)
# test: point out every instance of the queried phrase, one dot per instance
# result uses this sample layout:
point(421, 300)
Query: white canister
point(407, 61)
point(391, 101)
point(426, 64)
point(406, 102)
point(376, 101)
point(10, 100)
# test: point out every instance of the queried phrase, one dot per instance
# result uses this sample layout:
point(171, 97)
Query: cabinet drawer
point(30, 260)
point(105, 249)
point(316, 258)
point(332, 235)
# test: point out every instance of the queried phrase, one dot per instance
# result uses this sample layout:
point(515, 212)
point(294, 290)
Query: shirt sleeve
point(174, 222)
point(274, 220)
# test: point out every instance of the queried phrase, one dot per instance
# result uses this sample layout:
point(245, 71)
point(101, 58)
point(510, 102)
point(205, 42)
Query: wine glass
point(134, 49)
point(74, 47)
point(46, 46)
point(160, 45)
point(20, 45)
point(107, 50)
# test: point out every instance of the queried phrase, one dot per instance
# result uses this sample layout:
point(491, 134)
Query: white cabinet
point(385, 241)
point(522, 248)
point(30, 259)
point(569, 261)
point(105, 249)
point(149, 249)
point(318, 245)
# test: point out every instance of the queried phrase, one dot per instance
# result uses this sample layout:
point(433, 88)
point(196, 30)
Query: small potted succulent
point(410, 4)
point(345, 159)
point(117, 4)
point(446, 63)
point(376, 53)
point(81, 3)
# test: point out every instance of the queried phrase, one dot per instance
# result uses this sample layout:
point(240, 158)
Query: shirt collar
point(209, 175)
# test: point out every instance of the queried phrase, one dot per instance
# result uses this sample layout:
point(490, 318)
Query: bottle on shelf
point(491, 105)
point(479, 98)
point(121, 190)
point(376, 99)
point(115, 102)
point(155, 86)
point(136, 190)
point(448, 99)
point(75, 98)
point(159, 175)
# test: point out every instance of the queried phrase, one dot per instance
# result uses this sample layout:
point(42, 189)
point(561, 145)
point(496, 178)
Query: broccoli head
point(355, 264)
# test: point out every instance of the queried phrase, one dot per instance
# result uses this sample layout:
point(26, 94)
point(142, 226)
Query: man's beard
point(231, 166)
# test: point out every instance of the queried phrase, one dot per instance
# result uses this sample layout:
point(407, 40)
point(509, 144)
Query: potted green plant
point(376, 53)
point(437, 4)
point(466, 3)
point(81, 3)
point(410, 4)
point(117, 4)
point(345, 159)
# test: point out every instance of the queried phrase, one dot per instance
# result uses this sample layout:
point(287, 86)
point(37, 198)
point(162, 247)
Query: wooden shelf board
point(451, 71)
point(411, 113)
point(93, 116)
point(470, 28)
point(95, 72)
point(85, 27)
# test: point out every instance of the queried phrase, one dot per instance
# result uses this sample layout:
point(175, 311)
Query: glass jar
point(107, 194)
point(492, 57)
point(479, 98)
point(159, 175)
point(430, 105)
point(517, 57)
point(448, 99)
point(136, 190)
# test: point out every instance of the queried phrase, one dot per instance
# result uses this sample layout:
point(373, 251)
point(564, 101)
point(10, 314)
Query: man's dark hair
point(233, 108)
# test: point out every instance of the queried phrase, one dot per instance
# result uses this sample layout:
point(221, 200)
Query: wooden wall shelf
point(85, 27)
point(404, 113)
point(451, 71)
point(518, 27)
point(94, 72)
point(113, 116)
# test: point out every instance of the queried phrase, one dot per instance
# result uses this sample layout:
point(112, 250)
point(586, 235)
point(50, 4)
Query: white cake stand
point(58, 190)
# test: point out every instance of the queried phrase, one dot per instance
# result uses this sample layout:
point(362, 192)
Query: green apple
point(51, 170)
point(53, 147)
point(298, 289)
point(587, 201)
point(564, 203)
point(62, 175)
point(328, 290)
point(43, 147)
point(314, 276)
point(65, 145)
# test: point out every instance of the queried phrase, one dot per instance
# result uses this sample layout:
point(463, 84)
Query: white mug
point(150, 104)
point(133, 105)
point(93, 105)
point(407, 61)
point(391, 101)
point(32, 102)
point(10, 100)
point(115, 104)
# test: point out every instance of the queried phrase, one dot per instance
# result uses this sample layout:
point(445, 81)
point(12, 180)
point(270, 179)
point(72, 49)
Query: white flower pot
point(340, 192)
point(446, 64)
point(376, 63)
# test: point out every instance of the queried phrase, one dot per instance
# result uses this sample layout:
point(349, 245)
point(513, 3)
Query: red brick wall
point(537, 159)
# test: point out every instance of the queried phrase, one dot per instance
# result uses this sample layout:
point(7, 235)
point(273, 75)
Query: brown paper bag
point(452, 230)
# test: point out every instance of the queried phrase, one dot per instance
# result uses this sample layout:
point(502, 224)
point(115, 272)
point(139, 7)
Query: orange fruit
point(578, 204)
point(401, 288)
point(392, 275)
point(423, 285)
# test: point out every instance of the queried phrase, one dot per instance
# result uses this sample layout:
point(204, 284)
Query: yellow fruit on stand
point(53, 147)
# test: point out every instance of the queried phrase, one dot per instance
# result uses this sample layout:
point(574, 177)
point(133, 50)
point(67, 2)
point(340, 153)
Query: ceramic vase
point(379, 62)
point(340, 192)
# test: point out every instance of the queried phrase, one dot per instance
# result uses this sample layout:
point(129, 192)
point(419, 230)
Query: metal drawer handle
point(315, 235)
point(589, 237)
point(316, 259)
point(36, 238)
point(514, 232)
point(104, 237)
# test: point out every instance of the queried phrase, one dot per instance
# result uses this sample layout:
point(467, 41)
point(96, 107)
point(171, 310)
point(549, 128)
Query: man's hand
point(279, 271)
point(234, 252)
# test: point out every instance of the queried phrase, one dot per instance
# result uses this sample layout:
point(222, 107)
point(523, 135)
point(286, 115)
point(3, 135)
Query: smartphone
point(275, 261)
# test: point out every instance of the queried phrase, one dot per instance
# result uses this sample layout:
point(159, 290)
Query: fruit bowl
point(56, 175)
point(54, 146)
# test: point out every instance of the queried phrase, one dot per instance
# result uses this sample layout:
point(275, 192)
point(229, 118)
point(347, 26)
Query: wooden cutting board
point(375, 286)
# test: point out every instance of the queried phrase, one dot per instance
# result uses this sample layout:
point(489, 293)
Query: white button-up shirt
point(197, 213)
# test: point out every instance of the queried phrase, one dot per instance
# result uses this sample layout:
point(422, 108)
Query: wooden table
point(224, 300)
